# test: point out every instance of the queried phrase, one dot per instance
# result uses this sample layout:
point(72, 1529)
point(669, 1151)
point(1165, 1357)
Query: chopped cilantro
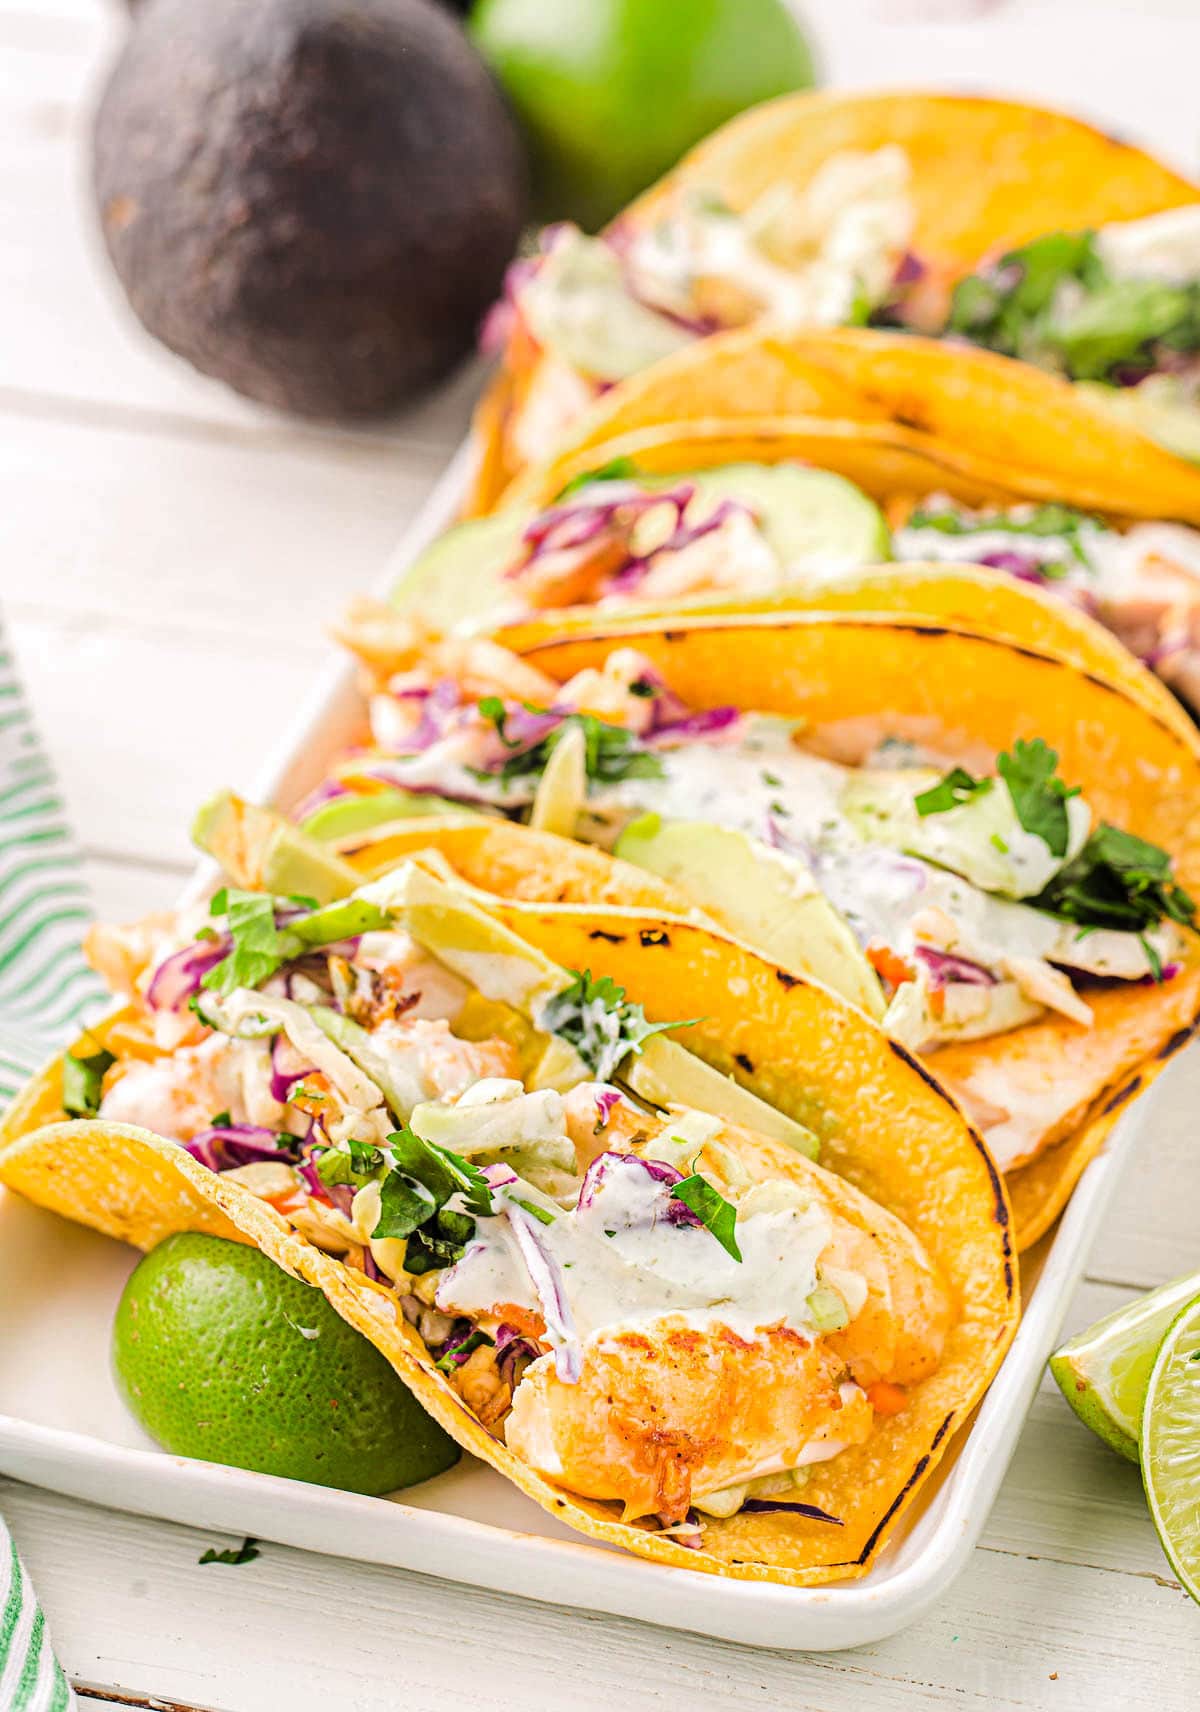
point(771, 779)
point(245, 1553)
point(595, 1018)
point(412, 1200)
point(956, 788)
point(255, 955)
point(1097, 328)
point(611, 753)
point(456, 1353)
point(1152, 958)
point(1039, 796)
point(539, 1213)
point(404, 1206)
point(352, 1165)
point(1118, 880)
point(715, 1213)
point(260, 947)
point(220, 1120)
point(643, 688)
point(617, 469)
point(1049, 521)
point(82, 1080)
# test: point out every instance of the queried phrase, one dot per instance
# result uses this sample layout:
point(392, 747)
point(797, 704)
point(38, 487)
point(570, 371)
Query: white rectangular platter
point(64, 1426)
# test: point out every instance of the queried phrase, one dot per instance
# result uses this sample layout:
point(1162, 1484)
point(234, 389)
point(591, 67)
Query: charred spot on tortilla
point(652, 936)
point(786, 980)
point(1121, 1096)
point(1179, 1039)
point(608, 938)
point(744, 1062)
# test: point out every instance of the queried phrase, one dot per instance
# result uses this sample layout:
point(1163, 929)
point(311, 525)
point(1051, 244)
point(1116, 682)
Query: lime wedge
point(1171, 1446)
point(1104, 1371)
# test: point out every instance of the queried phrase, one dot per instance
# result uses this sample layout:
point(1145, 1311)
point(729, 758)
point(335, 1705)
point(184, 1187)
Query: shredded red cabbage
point(768, 1506)
point(947, 970)
point(287, 1068)
point(239, 1144)
point(550, 1288)
point(179, 976)
point(606, 1099)
point(1025, 566)
point(328, 792)
point(654, 1176)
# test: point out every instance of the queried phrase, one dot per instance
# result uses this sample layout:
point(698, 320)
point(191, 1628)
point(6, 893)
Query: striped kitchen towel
point(46, 992)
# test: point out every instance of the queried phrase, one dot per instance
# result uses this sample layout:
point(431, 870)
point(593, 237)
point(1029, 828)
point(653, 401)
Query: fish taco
point(704, 517)
point(988, 850)
point(724, 1304)
point(1013, 226)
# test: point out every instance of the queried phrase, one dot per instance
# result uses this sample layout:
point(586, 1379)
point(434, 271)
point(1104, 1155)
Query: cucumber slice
point(819, 525)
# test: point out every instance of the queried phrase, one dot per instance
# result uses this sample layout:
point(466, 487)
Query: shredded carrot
point(889, 964)
point(290, 1201)
point(886, 1398)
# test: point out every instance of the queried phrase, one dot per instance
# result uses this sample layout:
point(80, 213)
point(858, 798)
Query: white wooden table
point(171, 556)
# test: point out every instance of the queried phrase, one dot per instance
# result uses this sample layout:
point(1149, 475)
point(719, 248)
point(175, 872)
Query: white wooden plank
point(132, 1611)
point(189, 537)
point(1150, 1233)
point(121, 890)
point(141, 732)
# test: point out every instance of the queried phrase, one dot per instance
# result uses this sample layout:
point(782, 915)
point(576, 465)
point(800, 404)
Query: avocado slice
point(502, 965)
point(344, 817)
point(766, 898)
point(1159, 406)
point(818, 524)
point(262, 851)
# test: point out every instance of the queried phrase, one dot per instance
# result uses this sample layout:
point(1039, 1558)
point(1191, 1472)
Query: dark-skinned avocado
point(312, 200)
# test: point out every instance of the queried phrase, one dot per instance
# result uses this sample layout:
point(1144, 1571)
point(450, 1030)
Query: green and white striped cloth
point(46, 992)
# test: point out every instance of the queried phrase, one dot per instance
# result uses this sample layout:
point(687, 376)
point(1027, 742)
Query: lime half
point(1103, 1373)
point(1171, 1446)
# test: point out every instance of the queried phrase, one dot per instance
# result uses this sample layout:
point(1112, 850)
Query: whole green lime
point(610, 93)
point(221, 1355)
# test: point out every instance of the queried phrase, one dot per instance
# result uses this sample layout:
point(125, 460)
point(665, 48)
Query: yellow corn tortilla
point(999, 425)
point(986, 175)
point(888, 1129)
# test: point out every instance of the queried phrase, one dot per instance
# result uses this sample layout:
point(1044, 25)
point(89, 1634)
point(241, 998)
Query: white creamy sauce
point(776, 793)
point(646, 1268)
point(1162, 246)
point(799, 256)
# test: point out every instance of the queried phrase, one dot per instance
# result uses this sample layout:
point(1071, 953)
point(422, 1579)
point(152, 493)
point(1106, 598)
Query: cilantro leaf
point(1098, 328)
point(255, 955)
point(1118, 880)
point(404, 1206)
point(594, 1016)
point(421, 1179)
point(245, 1553)
point(715, 1213)
point(616, 469)
point(956, 788)
point(81, 1082)
point(457, 1351)
point(351, 1165)
point(261, 947)
point(1039, 796)
point(1050, 521)
point(611, 753)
